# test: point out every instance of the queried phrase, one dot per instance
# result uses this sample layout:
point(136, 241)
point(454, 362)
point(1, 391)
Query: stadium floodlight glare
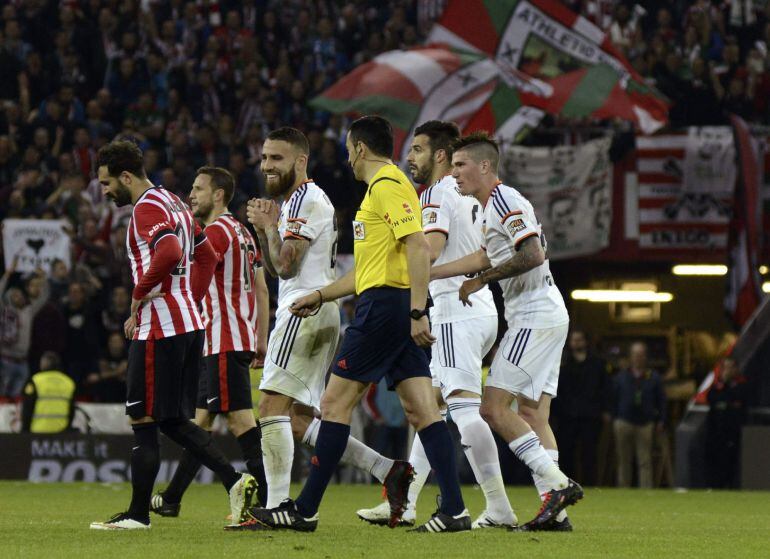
point(763, 269)
point(699, 270)
point(621, 296)
point(766, 287)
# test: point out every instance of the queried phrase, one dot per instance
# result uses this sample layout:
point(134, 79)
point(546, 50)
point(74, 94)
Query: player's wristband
point(321, 295)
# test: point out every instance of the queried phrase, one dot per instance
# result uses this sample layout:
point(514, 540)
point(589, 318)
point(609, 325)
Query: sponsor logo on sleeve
point(294, 227)
point(157, 227)
point(516, 225)
point(407, 207)
point(432, 217)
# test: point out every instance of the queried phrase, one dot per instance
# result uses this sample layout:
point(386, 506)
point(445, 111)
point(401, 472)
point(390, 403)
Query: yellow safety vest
point(54, 402)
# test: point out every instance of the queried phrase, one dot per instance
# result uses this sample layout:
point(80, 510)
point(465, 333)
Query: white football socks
point(527, 448)
point(481, 451)
point(277, 456)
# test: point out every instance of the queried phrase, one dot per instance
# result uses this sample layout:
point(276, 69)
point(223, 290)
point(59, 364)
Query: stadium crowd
point(202, 82)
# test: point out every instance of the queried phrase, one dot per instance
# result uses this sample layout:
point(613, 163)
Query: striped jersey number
point(245, 264)
point(248, 260)
point(188, 256)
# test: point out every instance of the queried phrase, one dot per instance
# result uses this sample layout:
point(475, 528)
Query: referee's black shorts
point(378, 343)
point(225, 383)
point(162, 377)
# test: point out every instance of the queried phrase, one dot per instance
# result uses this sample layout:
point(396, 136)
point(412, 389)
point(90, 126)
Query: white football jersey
point(309, 214)
point(532, 300)
point(460, 218)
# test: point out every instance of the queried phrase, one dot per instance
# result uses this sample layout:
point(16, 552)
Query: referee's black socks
point(145, 462)
point(439, 449)
point(329, 448)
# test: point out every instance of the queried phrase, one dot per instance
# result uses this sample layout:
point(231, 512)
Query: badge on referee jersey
point(359, 231)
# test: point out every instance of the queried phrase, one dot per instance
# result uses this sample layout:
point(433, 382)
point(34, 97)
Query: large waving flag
point(499, 65)
point(409, 87)
point(544, 40)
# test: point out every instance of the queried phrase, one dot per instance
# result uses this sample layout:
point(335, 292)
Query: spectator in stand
point(580, 409)
point(728, 401)
point(48, 327)
point(109, 383)
point(623, 31)
point(82, 334)
point(117, 311)
point(16, 318)
point(639, 409)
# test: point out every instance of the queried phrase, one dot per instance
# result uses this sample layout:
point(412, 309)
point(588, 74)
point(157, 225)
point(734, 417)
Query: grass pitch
point(51, 521)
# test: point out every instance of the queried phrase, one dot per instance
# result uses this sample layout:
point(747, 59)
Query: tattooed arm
point(528, 256)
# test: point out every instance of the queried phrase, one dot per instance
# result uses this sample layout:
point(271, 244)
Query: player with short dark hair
point(172, 263)
point(526, 367)
point(235, 314)
point(386, 338)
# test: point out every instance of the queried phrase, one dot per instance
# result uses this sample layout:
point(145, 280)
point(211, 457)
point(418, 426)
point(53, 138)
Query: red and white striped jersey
point(230, 306)
point(156, 214)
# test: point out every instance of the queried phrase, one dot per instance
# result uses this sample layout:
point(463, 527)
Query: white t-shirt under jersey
point(309, 214)
point(458, 217)
point(532, 300)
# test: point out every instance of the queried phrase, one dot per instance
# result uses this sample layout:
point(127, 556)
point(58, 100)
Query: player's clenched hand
point(421, 332)
point(467, 288)
point(273, 211)
point(259, 213)
point(307, 305)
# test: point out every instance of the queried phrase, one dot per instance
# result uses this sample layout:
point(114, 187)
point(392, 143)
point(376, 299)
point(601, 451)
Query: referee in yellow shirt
point(389, 337)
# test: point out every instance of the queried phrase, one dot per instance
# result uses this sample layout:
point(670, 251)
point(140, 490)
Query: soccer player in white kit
point(526, 366)
point(299, 245)
point(464, 335)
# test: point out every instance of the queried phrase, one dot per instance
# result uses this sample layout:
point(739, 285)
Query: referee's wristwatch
point(417, 314)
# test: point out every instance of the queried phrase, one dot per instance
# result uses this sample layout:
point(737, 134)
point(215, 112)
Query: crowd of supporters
point(201, 82)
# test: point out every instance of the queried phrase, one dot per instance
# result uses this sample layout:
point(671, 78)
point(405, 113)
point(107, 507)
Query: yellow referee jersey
point(389, 211)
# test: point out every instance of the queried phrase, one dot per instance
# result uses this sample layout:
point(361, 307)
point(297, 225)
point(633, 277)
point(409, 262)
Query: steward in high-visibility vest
point(47, 404)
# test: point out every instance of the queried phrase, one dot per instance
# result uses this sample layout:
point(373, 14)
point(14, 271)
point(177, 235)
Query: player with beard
point(299, 245)
point(172, 263)
point(464, 335)
point(236, 320)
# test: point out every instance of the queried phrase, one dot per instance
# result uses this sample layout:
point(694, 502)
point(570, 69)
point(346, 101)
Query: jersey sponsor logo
point(432, 217)
point(157, 227)
point(359, 231)
point(516, 225)
point(407, 207)
point(387, 218)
